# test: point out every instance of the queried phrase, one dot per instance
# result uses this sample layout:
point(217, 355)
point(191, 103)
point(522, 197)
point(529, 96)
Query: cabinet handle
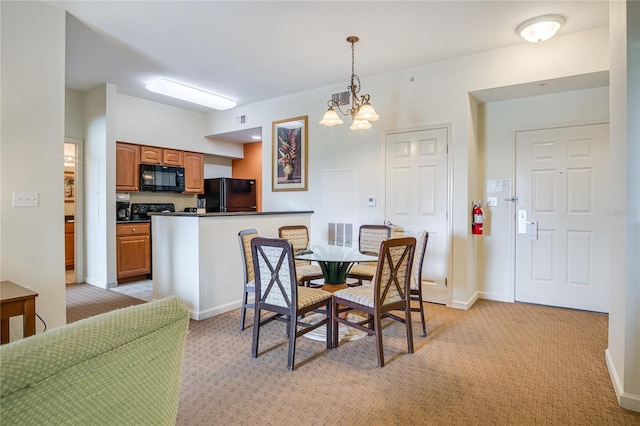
point(133, 229)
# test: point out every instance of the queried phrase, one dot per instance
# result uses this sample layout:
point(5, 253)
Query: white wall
point(498, 122)
point(32, 137)
point(74, 114)
point(151, 123)
point(623, 351)
point(410, 99)
point(100, 186)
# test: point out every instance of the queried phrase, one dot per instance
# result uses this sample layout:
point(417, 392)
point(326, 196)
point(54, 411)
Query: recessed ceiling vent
point(240, 120)
point(341, 98)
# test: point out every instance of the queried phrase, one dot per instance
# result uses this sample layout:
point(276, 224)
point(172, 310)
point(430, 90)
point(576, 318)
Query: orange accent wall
point(250, 167)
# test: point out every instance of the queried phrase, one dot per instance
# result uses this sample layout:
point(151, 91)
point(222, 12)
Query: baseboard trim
point(495, 297)
point(215, 311)
point(462, 304)
point(625, 400)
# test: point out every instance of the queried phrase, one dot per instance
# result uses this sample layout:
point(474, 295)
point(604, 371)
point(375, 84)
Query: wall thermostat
point(371, 201)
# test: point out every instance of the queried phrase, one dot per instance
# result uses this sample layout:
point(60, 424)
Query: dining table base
point(345, 333)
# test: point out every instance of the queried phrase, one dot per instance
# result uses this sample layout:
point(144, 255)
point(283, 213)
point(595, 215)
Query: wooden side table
point(16, 300)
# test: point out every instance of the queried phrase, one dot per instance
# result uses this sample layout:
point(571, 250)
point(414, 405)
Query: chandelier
point(361, 110)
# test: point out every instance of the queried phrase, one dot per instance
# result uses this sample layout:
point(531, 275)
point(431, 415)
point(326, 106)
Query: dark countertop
point(188, 214)
point(120, 222)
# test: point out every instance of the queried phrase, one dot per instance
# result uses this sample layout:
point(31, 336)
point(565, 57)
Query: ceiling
point(251, 51)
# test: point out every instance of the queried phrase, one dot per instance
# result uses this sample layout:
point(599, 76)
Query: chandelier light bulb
point(366, 112)
point(360, 125)
point(330, 118)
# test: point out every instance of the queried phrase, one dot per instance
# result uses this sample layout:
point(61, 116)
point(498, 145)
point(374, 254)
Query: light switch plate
point(25, 199)
point(492, 201)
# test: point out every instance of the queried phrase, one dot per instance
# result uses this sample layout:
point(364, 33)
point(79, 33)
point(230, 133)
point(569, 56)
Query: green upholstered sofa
point(118, 368)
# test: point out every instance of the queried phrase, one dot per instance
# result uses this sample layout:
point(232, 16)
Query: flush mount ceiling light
point(189, 94)
point(540, 28)
point(361, 110)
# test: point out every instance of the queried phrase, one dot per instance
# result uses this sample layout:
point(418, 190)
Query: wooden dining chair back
point(370, 238)
point(415, 290)
point(298, 236)
point(278, 292)
point(244, 238)
point(390, 292)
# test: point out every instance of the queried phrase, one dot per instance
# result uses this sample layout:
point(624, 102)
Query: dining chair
point(390, 291)
point(369, 239)
point(298, 236)
point(244, 238)
point(277, 291)
point(415, 291)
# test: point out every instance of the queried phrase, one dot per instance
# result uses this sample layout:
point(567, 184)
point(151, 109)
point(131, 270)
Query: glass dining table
point(334, 260)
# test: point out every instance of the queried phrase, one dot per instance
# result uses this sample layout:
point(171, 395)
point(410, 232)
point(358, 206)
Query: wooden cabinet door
point(133, 249)
point(193, 172)
point(173, 157)
point(127, 167)
point(151, 155)
point(69, 245)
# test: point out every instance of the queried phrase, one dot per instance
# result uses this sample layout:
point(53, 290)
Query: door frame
point(449, 192)
point(512, 173)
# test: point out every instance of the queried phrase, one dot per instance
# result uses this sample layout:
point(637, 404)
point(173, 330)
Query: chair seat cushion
point(308, 271)
point(363, 269)
point(364, 294)
point(308, 296)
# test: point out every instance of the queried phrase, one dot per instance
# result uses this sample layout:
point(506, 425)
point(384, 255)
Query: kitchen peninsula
point(197, 256)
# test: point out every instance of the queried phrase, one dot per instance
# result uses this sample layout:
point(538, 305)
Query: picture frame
point(289, 154)
point(69, 187)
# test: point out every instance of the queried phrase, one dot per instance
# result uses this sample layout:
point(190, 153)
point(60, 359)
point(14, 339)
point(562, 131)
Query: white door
point(416, 191)
point(562, 244)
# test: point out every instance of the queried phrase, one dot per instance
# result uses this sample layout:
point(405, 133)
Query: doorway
point(72, 212)
point(417, 199)
point(562, 244)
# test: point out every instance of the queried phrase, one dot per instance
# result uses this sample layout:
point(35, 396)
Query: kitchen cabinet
point(163, 156)
point(133, 249)
point(69, 245)
point(193, 172)
point(127, 167)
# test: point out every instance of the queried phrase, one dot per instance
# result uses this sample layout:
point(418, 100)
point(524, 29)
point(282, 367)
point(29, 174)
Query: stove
point(140, 211)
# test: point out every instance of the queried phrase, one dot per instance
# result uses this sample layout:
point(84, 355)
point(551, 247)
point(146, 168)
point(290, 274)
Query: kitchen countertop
point(188, 214)
point(120, 222)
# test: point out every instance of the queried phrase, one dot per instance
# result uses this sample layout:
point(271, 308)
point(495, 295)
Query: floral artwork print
point(289, 164)
point(289, 152)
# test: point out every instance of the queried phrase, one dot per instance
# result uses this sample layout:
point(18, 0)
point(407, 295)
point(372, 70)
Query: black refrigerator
point(229, 195)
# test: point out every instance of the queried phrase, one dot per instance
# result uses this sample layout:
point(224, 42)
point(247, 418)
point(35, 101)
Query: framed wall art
point(289, 154)
point(69, 187)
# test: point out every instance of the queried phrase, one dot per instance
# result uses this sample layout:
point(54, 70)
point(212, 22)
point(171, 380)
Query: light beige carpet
point(496, 364)
point(85, 300)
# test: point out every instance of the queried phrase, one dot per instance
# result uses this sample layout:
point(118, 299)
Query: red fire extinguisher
point(477, 219)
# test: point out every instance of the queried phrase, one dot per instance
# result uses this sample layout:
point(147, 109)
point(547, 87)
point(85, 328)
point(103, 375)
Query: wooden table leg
point(4, 331)
point(29, 319)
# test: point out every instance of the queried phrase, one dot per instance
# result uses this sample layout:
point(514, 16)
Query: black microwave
point(161, 178)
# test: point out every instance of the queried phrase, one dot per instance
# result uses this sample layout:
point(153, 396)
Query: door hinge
point(445, 282)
